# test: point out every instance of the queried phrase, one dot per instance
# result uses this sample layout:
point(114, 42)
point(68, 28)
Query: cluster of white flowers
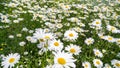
point(60, 34)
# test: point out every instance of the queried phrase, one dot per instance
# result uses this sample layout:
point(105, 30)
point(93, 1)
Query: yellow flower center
point(98, 62)
point(110, 38)
point(11, 60)
point(71, 34)
point(97, 53)
point(66, 6)
point(56, 44)
point(72, 50)
point(86, 65)
point(61, 61)
point(117, 64)
point(47, 37)
point(41, 40)
point(118, 41)
point(97, 22)
point(101, 36)
point(89, 41)
point(112, 28)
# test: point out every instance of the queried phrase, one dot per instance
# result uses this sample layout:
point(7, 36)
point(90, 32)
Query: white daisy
point(86, 65)
point(118, 41)
point(39, 34)
point(110, 39)
point(10, 60)
point(115, 63)
point(59, 25)
point(22, 43)
point(31, 39)
point(48, 36)
point(74, 19)
point(63, 60)
point(56, 45)
point(112, 29)
point(65, 7)
point(42, 35)
point(98, 53)
point(98, 63)
point(71, 35)
point(73, 49)
point(96, 22)
point(101, 35)
point(107, 66)
point(89, 41)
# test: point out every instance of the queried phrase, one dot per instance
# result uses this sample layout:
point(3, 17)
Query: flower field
point(59, 33)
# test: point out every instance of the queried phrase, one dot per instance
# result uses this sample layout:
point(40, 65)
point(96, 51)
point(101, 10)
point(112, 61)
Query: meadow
point(59, 33)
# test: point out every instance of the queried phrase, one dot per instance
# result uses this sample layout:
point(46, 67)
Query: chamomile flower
point(10, 60)
point(101, 35)
point(65, 7)
point(89, 41)
point(107, 66)
point(98, 53)
point(48, 36)
point(73, 19)
point(112, 29)
point(39, 34)
point(11, 36)
point(97, 22)
point(59, 25)
point(110, 39)
point(22, 43)
point(86, 65)
point(118, 41)
point(63, 60)
point(98, 63)
point(115, 63)
point(73, 49)
point(71, 35)
point(56, 45)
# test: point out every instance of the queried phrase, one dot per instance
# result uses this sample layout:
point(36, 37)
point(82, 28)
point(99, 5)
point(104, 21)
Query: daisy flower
point(63, 60)
point(73, 19)
point(73, 49)
point(42, 36)
point(71, 35)
point(48, 36)
point(98, 63)
point(86, 65)
point(55, 45)
point(118, 41)
point(31, 39)
point(112, 29)
point(96, 22)
point(89, 41)
point(101, 35)
point(98, 53)
point(39, 34)
point(65, 7)
point(107, 66)
point(110, 39)
point(115, 63)
point(10, 60)
point(22, 43)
